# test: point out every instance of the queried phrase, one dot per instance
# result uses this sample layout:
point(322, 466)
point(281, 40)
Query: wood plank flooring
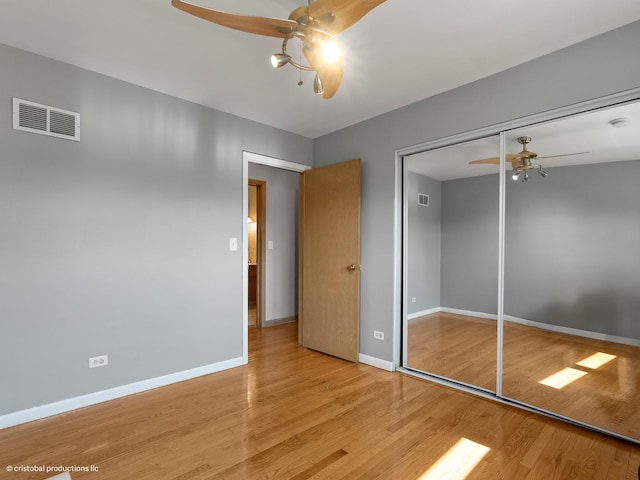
point(454, 346)
point(464, 348)
point(296, 414)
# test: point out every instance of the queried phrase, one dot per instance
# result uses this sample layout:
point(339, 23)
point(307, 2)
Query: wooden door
point(329, 296)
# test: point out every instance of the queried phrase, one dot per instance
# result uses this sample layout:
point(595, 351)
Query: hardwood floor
point(454, 346)
point(252, 315)
point(464, 348)
point(297, 414)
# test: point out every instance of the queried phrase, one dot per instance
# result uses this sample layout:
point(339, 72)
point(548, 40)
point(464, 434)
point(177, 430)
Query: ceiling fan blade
point(329, 73)
point(346, 13)
point(491, 160)
point(511, 157)
point(563, 155)
point(299, 12)
point(331, 77)
point(271, 27)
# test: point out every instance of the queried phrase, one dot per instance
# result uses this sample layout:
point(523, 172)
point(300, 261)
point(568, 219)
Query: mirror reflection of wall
point(452, 269)
point(572, 271)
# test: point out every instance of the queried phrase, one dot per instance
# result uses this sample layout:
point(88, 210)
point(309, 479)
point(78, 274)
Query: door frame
point(250, 157)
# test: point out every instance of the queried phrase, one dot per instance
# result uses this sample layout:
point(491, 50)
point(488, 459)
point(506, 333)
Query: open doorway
point(272, 242)
point(256, 228)
point(275, 285)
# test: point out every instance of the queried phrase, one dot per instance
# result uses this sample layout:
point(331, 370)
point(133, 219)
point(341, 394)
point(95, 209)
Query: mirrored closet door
point(563, 335)
point(451, 240)
point(572, 269)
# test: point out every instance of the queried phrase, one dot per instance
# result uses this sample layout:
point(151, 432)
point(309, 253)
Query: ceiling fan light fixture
point(330, 51)
point(317, 85)
point(312, 24)
point(516, 175)
point(526, 176)
point(543, 173)
point(279, 59)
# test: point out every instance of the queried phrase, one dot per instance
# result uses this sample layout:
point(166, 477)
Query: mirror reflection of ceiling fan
point(523, 161)
point(314, 25)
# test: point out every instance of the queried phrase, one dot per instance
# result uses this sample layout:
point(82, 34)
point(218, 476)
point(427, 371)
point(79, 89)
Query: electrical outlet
point(378, 335)
point(413, 299)
point(100, 361)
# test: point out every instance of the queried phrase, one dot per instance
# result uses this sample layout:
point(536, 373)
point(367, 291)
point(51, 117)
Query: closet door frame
point(400, 262)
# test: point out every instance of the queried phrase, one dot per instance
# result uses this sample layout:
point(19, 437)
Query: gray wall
point(118, 244)
point(600, 66)
point(453, 244)
point(281, 282)
point(423, 243)
point(572, 248)
point(470, 244)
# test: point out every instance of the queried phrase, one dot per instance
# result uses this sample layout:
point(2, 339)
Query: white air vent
point(423, 200)
point(36, 118)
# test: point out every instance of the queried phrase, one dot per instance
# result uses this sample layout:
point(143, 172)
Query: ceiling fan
point(522, 162)
point(314, 25)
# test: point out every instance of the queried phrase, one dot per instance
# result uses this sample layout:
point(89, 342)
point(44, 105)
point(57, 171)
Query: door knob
point(351, 268)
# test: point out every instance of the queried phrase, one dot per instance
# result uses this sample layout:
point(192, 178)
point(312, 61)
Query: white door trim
point(271, 162)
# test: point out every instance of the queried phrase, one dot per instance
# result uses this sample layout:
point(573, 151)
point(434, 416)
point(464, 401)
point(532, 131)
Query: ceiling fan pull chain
point(300, 82)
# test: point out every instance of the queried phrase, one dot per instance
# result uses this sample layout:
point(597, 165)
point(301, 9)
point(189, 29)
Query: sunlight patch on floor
point(563, 378)
point(568, 375)
point(458, 462)
point(596, 360)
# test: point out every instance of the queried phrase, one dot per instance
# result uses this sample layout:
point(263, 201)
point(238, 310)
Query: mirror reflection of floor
point(455, 346)
point(594, 381)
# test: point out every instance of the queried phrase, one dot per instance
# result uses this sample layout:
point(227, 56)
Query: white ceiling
point(401, 52)
point(589, 132)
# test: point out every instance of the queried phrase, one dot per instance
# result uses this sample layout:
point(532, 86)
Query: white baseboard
point(531, 323)
point(36, 413)
point(469, 313)
point(376, 362)
point(280, 321)
point(422, 313)
point(574, 331)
